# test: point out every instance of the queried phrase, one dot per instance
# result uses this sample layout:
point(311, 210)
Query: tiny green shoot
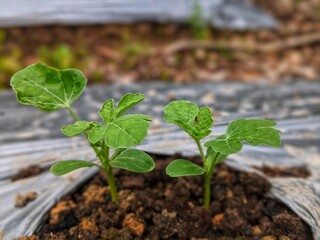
point(51, 89)
point(197, 122)
point(199, 26)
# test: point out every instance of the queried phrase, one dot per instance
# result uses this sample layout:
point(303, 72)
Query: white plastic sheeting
point(235, 14)
point(295, 106)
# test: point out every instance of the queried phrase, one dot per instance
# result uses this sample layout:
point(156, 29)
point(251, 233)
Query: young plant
point(199, 27)
point(50, 89)
point(198, 122)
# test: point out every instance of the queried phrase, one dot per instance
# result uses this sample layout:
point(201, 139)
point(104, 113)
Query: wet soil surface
point(155, 206)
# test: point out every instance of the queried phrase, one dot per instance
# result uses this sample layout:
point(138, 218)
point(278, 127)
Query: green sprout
point(199, 27)
point(198, 122)
point(51, 89)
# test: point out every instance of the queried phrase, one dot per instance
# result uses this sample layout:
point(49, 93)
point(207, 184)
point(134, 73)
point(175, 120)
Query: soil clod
point(22, 200)
point(29, 171)
point(135, 224)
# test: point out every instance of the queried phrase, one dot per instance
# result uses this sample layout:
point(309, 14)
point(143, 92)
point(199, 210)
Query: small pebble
point(165, 213)
point(191, 205)
point(229, 193)
point(89, 225)
point(256, 230)
point(244, 200)
point(217, 219)
point(134, 224)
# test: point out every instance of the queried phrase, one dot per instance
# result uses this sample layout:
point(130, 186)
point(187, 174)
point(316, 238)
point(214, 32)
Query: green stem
point(201, 151)
point(111, 180)
point(216, 156)
point(207, 182)
point(73, 114)
point(105, 161)
point(112, 185)
point(207, 177)
point(207, 190)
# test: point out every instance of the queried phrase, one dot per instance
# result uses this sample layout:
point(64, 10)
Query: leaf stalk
point(201, 151)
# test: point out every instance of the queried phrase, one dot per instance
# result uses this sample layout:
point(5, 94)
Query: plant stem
point(112, 185)
point(216, 156)
point(111, 180)
point(207, 177)
point(105, 161)
point(207, 190)
point(207, 182)
point(73, 114)
point(201, 151)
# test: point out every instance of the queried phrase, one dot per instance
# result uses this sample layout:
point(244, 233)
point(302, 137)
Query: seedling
point(50, 89)
point(198, 122)
point(199, 27)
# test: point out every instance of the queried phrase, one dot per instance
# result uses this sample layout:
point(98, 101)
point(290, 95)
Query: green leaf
point(107, 111)
point(97, 133)
point(180, 168)
point(253, 131)
point(225, 145)
point(140, 116)
point(128, 101)
point(133, 160)
point(123, 132)
point(64, 167)
point(127, 131)
point(180, 112)
point(212, 159)
point(196, 122)
point(48, 88)
point(203, 123)
point(77, 128)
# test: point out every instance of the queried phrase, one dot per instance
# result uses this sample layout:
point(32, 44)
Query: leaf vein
point(45, 89)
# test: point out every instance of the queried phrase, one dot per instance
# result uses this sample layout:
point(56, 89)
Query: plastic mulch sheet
point(28, 136)
point(233, 14)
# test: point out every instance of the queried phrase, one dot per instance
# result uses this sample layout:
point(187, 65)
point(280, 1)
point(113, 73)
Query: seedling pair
point(50, 89)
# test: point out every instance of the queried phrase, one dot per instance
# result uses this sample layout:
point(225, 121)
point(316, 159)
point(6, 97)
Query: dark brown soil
point(29, 171)
point(155, 206)
point(298, 172)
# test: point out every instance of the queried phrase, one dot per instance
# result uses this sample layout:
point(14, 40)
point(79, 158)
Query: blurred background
point(178, 41)
point(254, 58)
